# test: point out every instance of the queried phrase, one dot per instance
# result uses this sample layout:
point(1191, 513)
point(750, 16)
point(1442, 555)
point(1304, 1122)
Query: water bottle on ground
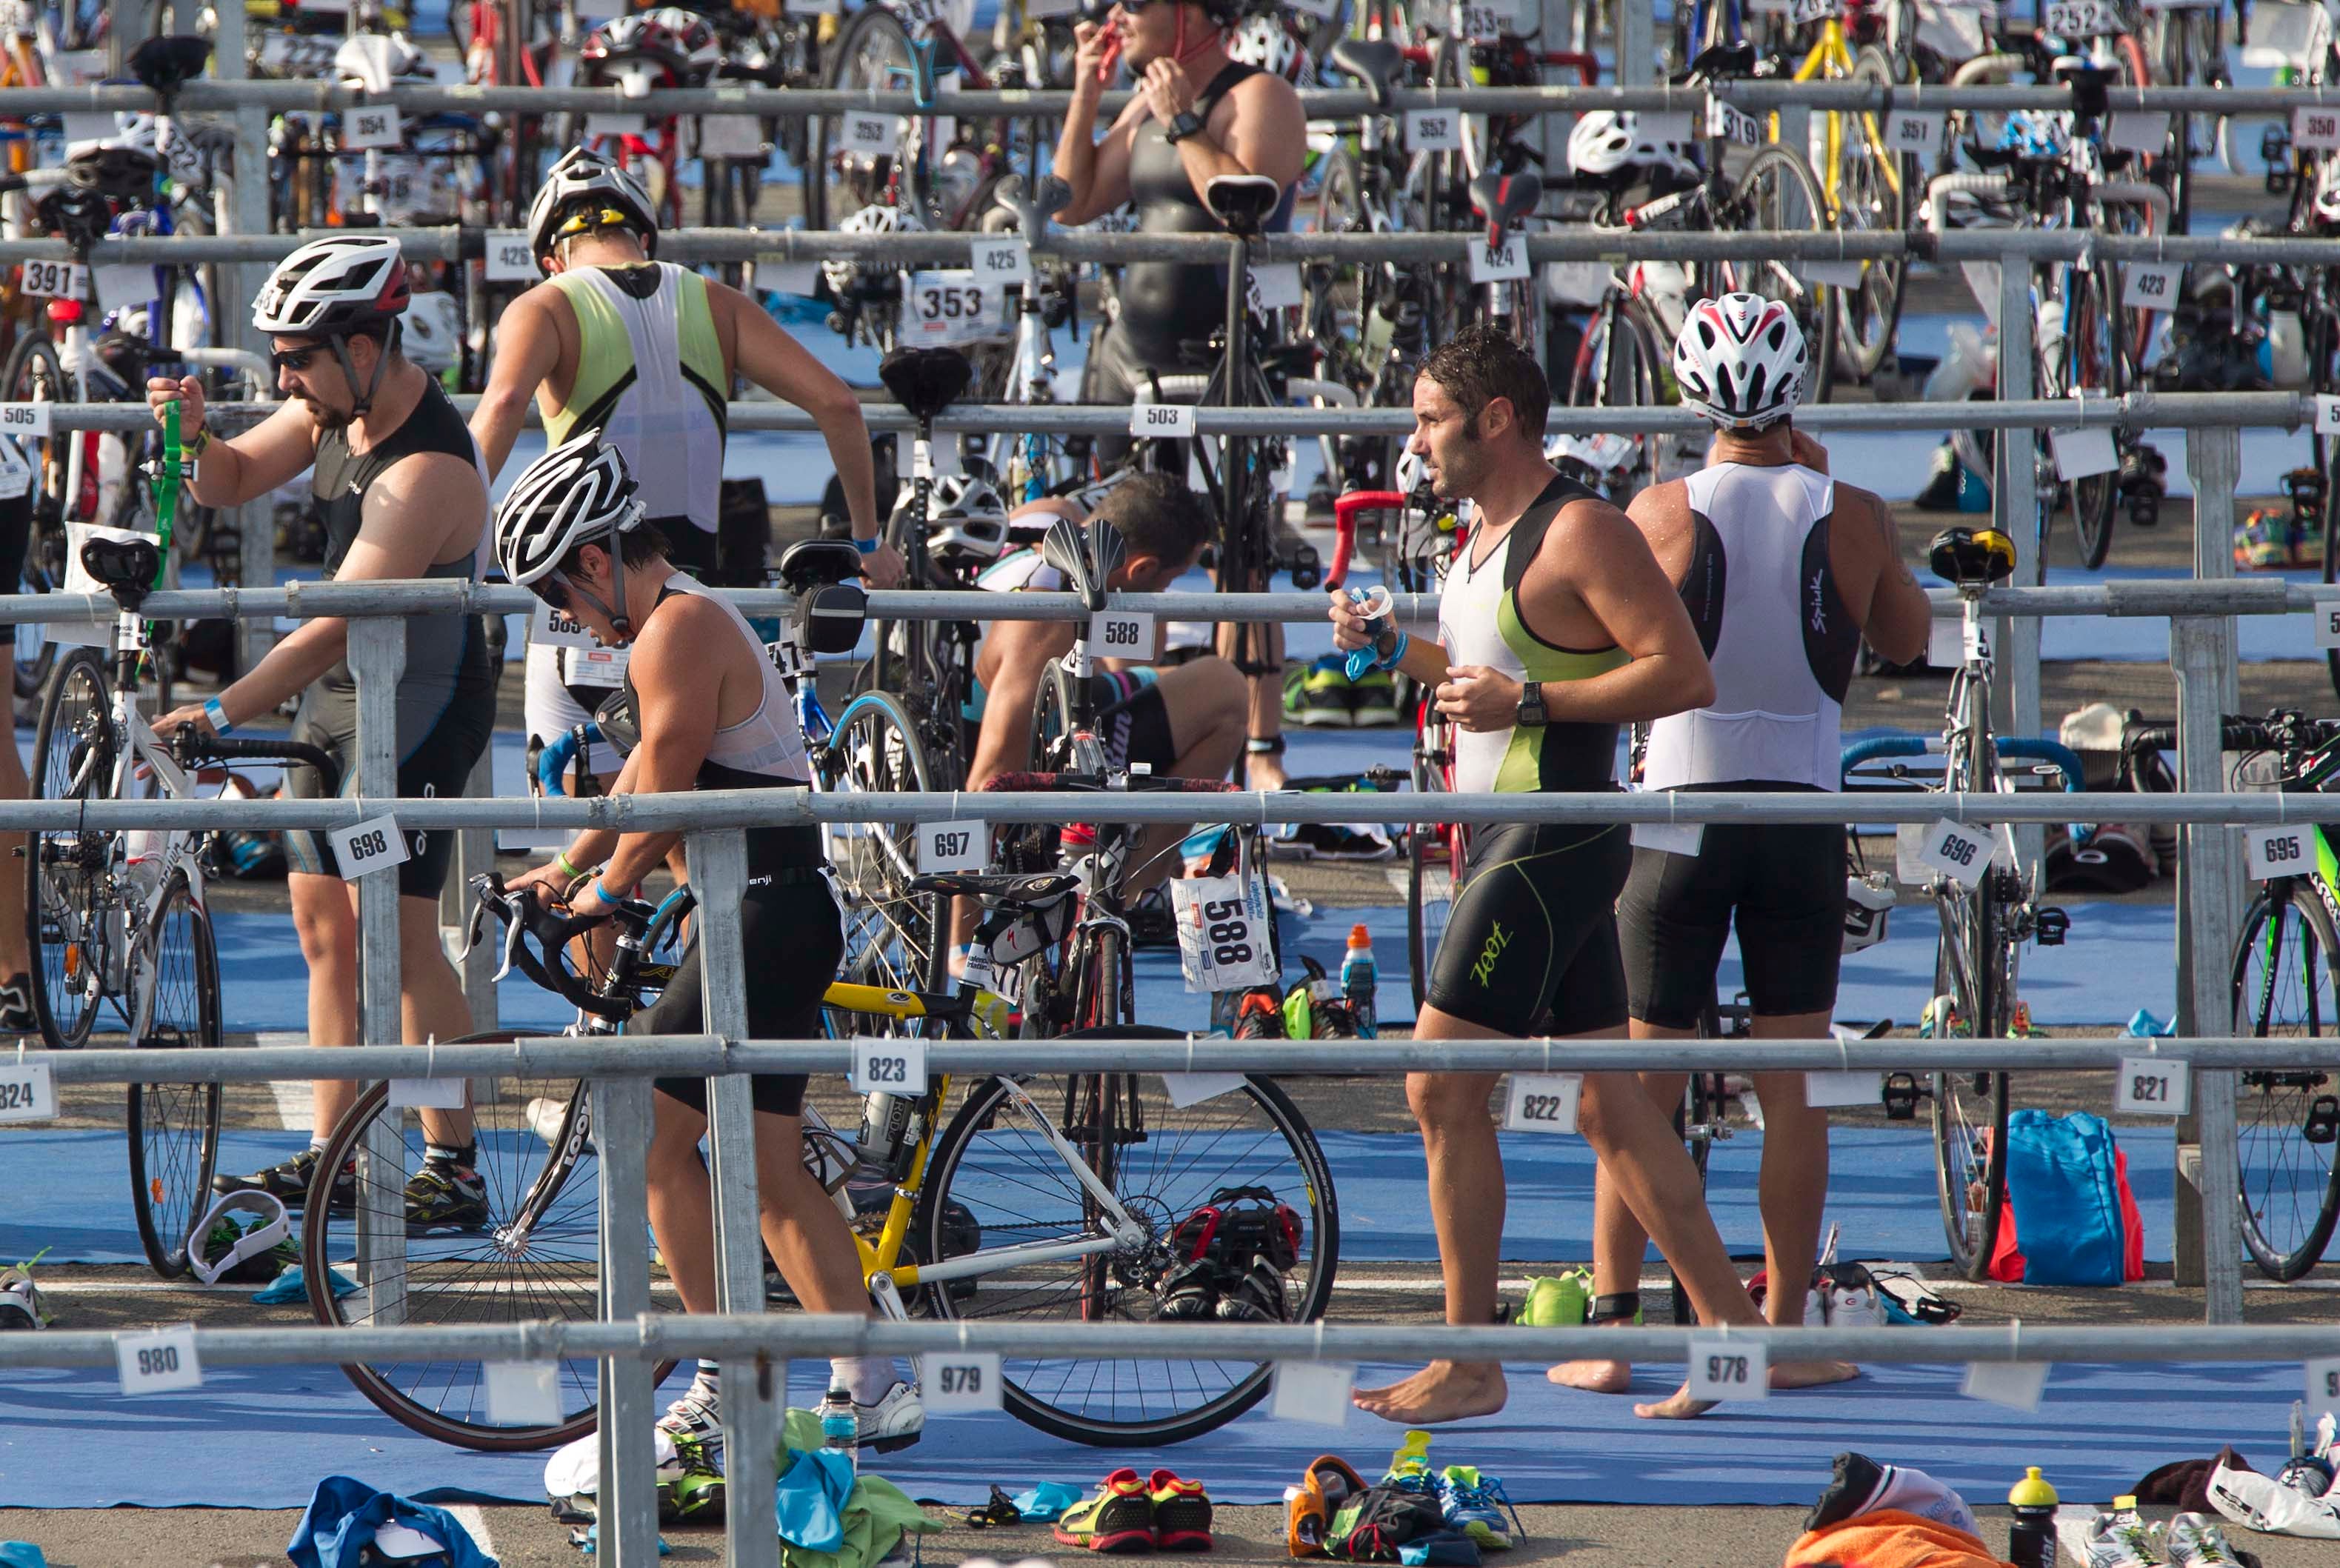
point(2031, 1534)
point(1359, 976)
point(840, 1429)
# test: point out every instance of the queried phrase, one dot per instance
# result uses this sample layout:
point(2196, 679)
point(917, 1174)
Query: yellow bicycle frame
point(1831, 59)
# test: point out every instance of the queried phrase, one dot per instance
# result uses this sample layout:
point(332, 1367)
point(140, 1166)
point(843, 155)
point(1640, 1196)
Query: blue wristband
point(217, 715)
point(867, 546)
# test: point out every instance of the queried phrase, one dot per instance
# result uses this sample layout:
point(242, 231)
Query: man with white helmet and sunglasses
point(701, 707)
point(1784, 571)
point(646, 352)
point(397, 480)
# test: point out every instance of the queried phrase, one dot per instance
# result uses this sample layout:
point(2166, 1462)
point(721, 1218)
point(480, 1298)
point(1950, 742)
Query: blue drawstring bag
point(345, 1515)
point(2062, 1182)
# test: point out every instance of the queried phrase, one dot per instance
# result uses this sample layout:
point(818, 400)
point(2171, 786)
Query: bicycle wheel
point(1970, 1108)
point(74, 935)
point(2286, 1120)
point(2092, 362)
point(1434, 854)
point(894, 938)
point(1873, 196)
point(1777, 193)
point(1617, 367)
point(533, 1255)
point(873, 54)
point(174, 1127)
point(997, 1166)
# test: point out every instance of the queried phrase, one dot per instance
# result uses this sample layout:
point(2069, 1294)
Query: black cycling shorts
point(15, 537)
point(1530, 947)
point(439, 764)
point(793, 936)
point(1784, 882)
point(1132, 721)
point(687, 546)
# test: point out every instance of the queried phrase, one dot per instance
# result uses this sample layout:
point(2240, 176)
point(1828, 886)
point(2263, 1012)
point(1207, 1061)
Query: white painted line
point(469, 1516)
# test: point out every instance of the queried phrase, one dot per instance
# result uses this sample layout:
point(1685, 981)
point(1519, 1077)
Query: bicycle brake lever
point(514, 934)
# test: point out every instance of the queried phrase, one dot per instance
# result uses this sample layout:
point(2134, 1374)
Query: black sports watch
point(1532, 709)
point(1186, 124)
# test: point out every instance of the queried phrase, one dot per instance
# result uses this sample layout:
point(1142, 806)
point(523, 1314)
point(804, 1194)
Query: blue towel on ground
point(811, 1497)
point(345, 1515)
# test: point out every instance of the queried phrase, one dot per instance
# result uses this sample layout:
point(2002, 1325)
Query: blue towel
point(1046, 1502)
point(811, 1497)
point(21, 1554)
point(345, 1513)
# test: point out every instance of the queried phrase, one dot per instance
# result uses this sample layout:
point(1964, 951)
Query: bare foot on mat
point(1442, 1391)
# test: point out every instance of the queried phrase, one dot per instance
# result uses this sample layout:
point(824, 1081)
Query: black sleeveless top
point(1164, 304)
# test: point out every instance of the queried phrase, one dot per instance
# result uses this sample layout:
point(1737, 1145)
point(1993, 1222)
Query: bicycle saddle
point(1243, 203)
point(925, 380)
point(116, 171)
point(833, 616)
point(1374, 65)
point(1723, 61)
point(163, 64)
point(1089, 554)
point(1501, 198)
point(815, 562)
point(374, 59)
point(1971, 557)
point(2087, 83)
point(1021, 889)
point(78, 213)
point(1032, 212)
point(126, 567)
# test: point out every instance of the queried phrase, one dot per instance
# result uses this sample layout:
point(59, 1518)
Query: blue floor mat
point(263, 1437)
point(1883, 1193)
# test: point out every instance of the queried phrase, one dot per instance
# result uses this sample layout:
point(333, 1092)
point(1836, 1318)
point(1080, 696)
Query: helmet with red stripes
point(1741, 360)
point(333, 287)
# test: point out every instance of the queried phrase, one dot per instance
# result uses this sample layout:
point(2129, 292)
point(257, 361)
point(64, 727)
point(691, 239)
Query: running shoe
point(1257, 1297)
point(1182, 1514)
point(697, 1420)
point(16, 1015)
point(2107, 1546)
point(20, 1300)
point(1190, 1293)
point(1321, 696)
point(897, 1420)
point(1260, 1015)
point(288, 1183)
point(1119, 1518)
point(1374, 699)
point(1475, 1504)
point(445, 1196)
point(2195, 1541)
point(690, 1490)
point(1408, 1468)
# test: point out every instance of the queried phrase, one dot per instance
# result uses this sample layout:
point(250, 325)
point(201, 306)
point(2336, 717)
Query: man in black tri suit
point(398, 479)
point(1198, 115)
point(1784, 571)
point(1556, 627)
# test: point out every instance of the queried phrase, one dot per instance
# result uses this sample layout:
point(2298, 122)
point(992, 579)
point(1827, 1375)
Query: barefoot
point(1812, 1373)
point(1593, 1376)
point(1680, 1408)
point(1442, 1391)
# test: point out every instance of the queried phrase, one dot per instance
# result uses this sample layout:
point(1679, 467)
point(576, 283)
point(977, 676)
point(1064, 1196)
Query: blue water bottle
point(1359, 975)
point(840, 1429)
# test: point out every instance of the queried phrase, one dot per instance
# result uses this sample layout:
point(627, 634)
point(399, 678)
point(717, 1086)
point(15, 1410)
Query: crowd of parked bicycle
point(1584, 594)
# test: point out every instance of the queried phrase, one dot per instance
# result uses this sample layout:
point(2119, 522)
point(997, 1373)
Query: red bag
point(2006, 1257)
point(2132, 1223)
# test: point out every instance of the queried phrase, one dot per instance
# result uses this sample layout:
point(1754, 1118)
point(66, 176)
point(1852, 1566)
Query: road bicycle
point(116, 921)
point(2287, 1120)
point(1030, 464)
point(1986, 916)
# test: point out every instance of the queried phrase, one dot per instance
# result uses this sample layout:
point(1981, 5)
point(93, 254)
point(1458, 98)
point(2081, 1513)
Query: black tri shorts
point(1782, 884)
point(1531, 947)
point(793, 936)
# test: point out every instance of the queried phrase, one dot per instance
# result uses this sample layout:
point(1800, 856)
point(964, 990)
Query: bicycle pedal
point(1900, 1097)
point(2051, 926)
point(2321, 1125)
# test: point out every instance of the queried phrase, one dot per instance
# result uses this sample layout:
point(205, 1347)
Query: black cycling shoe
point(17, 1015)
point(288, 1183)
point(444, 1195)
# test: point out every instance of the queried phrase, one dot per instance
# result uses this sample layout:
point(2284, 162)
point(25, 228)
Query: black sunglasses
point(551, 588)
point(295, 360)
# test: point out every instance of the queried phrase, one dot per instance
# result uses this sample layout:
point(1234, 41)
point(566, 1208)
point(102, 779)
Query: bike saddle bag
point(126, 567)
point(833, 617)
point(812, 563)
point(925, 380)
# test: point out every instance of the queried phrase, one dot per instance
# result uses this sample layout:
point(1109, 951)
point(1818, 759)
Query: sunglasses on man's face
point(553, 589)
point(296, 361)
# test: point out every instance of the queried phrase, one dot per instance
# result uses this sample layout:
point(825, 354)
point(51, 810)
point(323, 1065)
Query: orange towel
point(1889, 1539)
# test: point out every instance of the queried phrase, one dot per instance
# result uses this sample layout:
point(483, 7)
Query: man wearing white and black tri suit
point(1784, 571)
point(644, 351)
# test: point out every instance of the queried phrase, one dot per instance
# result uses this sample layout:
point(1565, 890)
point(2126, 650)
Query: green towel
point(877, 1516)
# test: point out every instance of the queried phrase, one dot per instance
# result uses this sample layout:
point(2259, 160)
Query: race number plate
point(1542, 1102)
point(1122, 634)
point(24, 420)
point(1499, 263)
point(2152, 285)
point(2085, 453)
point(1434, 130)
point(1918, 132)
point(868, 133)
point(1960, 853)
point(375, 125)
point(730, 136)
point(508, 261)
point(2315, 125)
point(959, 1382)
point(548, 626)
point(950, 306)
point(2279, 851)
point(2323, 1387)
point(964, 845)
point(2153, 1087)
point(1732, 124)
point(2070, 19)
point(595, 666)
point(1174, 421)
point(1729, 1369)
point(26, 1094)
point(522, 1393)
point(56, 280)
point(1275, 286)
point(160, 1362)
point(1225, 936)
point(2015, 1383)
point(1318, 1392)
point(2139, 131)
point(1669, 837)
point(888, 1065)
point(372, 845)
point(1001, 262)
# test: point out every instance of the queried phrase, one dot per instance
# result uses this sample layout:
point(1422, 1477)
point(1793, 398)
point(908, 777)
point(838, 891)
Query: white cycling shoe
point(897, 1420)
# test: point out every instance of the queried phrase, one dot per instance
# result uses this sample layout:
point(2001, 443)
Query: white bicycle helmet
point(967, 518)
point(2328, 191)
point(333, 287)
point(1266, 43)
point(217, 1246)
point(432, 334)
point(584, 176)
point(1408, 475)
point(877, 218)
point(1741, 360)
point(1607, 140)
point(580, 491)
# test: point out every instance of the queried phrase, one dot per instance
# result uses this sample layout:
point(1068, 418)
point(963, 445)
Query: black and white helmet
point(1607, 140)
point(333, 287)
point(580, 491)
point(968, 519)
point(583, 173)
point(1739, 360)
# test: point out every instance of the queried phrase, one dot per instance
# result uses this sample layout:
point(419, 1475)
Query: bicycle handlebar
point(1345, 526)
point(1157, 783)
point(523, 916)
point(190, 748)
